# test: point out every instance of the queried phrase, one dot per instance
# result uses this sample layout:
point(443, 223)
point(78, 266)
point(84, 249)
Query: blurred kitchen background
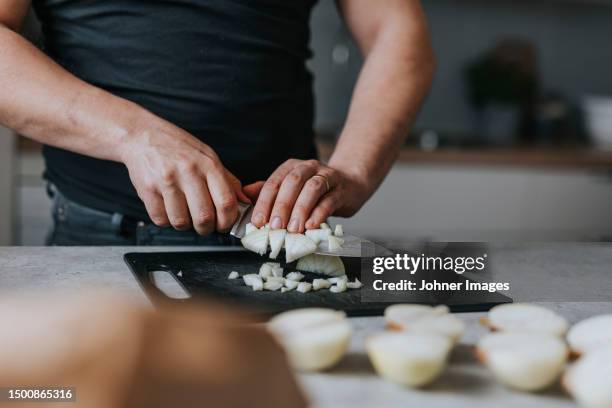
point(514, 142)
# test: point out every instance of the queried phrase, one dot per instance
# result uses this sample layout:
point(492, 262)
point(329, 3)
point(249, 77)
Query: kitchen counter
point(532, 157)
point(352, 383)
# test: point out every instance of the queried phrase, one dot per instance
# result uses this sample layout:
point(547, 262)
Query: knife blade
point(353, 247)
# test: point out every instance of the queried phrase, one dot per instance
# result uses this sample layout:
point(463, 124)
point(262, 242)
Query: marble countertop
point(353, 382)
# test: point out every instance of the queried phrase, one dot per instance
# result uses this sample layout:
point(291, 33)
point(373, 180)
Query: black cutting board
point(204, 276)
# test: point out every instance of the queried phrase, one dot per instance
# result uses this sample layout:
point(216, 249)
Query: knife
point(353, 247)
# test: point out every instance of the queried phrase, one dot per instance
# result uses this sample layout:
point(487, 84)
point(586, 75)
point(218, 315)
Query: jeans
point(77, 225)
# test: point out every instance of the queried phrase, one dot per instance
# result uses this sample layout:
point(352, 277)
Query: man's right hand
point(181, 180)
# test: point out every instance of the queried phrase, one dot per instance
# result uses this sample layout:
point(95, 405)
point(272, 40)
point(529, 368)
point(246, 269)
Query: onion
point(291, 284)
point(265, 271)
point(324, 225)
point(410, 359)
point(233, 275)
point(314, 339)
point(251, 278)
point(304, 287)
point(249, 228)
point(400, 316)
point(273, 284)
point(339, 232)
point(298, 246)
point(295, 276)
point(445, 325)
point(526, 318)
point(339, 287)
point(588, 380)
point(526, 361)
point(354, 285)
point(277, 240)
point(334, 244)
point(318, 235)
point(320, 284)
point(590, 334)
point(257, 241)
point(322, 264)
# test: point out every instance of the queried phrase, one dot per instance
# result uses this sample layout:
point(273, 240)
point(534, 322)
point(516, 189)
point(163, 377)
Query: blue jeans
point(77, 225)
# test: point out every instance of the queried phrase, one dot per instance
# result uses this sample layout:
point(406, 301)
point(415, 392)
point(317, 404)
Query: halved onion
point(525, 317)
point(526, 361)
point(314, 339)
point(322, 264)
point(402, 315)
point(591, 334)
point(589, 379)
point(410, 359)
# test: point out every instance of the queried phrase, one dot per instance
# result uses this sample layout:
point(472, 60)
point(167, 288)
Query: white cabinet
point(481, 203)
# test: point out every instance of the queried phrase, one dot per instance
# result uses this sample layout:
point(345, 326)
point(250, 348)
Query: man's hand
point(181, 180)
point(302, 194)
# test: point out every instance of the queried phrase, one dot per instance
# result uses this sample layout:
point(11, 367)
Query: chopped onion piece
point(258, 286)
point(318, 235)
point(339, 287)
point(334, 244)
point(286, 289)
point(304, 287)
point(323, 264)
point(276, 279)
point(339, 231)
point(273, 285)
point(295, 276)
point(298, 246)
point(251, 278)
point(320, 284)
point(291, 284)
point(233, 275)
point(324, 225)
point(277, 240)
point(277, 272)
point(256, 241)
point(250, 228)
point(337, 279)
point(354, 285)
point(265, 271)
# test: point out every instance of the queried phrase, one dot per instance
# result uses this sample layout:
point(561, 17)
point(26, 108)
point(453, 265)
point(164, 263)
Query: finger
point(267, 196)
point(155, 207)
point(325, 208)
point(313, 190)
point(224, 199)
point(176, 208)
point(290, 189)
point(253, 190)
point(237, 186)
point(201, 206)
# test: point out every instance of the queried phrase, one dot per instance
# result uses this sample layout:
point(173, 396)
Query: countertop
point(353, 382)
point(532, 157)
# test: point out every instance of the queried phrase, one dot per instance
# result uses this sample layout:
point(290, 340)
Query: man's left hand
point(301, 194)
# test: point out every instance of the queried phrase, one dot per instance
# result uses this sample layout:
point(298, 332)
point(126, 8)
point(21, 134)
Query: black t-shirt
point(230, 72)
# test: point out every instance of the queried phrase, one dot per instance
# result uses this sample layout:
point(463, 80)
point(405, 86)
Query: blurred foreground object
point(117, 354)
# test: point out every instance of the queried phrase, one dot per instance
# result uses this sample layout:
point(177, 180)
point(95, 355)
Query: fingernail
point(276, 223)
point(294, 225)
point(309, 224)
point(259, 219)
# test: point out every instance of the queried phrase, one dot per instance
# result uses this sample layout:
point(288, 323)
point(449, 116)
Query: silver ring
point(326, 181)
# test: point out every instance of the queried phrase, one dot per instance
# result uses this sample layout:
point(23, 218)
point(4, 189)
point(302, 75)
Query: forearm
point(394, 81)
point(42, 101)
